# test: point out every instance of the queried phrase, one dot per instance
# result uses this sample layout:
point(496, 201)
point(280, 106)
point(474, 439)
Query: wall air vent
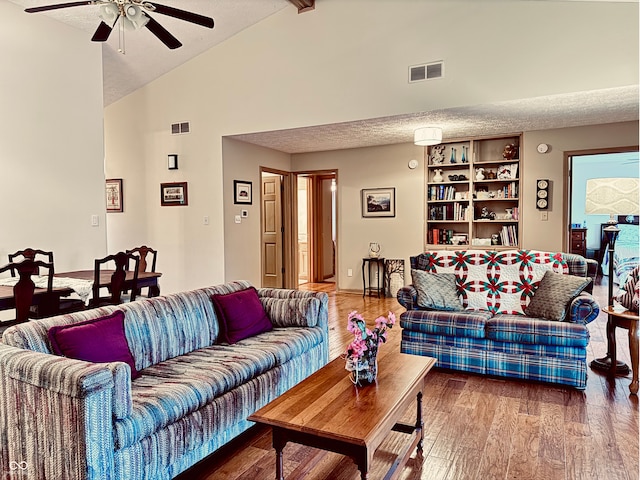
point(426, 71)
point(180, 128)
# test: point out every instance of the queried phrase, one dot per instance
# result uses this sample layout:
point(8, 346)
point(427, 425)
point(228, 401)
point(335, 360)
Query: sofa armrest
point(56, 415)
point(583, 309)
point(284, 293)
point(408, 297)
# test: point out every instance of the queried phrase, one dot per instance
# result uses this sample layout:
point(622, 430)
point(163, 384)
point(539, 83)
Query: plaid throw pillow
point(554, 294)
point(436, 290)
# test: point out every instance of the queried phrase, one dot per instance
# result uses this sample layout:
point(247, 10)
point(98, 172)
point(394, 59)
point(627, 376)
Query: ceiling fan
point(133, 14)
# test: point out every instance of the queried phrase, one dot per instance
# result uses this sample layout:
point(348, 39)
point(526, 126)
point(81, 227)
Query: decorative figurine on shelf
point(454, 178)
point(480, 173)
point(437, 177)
point(495, 239)
point(436, 155)
point(462, 178)
point(509, 214)
point(453, 155)
point(510, 151)
point(374, 250)
point(464, 154)
point(485, 214)
point(491, 175)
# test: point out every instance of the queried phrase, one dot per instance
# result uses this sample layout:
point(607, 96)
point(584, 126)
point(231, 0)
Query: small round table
point(624, 319)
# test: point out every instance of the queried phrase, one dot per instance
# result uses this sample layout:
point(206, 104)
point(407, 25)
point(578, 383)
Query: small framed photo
point(242, 192)
point(114, 195)
point(173, 194)
point(378, 202)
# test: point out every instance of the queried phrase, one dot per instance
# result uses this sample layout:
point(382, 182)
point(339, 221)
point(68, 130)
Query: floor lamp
point(612, 196)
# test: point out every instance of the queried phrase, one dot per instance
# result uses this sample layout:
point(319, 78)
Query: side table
point(624, 319)
point(366, 279)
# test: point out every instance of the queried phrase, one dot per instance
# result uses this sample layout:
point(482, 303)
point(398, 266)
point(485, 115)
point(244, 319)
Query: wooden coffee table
point(329, 412)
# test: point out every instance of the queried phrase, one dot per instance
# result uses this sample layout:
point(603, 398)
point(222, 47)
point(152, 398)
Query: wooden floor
point(475, 427)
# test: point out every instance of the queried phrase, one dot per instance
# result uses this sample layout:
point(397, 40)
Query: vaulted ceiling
point(147, 58)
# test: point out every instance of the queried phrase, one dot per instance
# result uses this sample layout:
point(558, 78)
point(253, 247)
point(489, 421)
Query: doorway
point(317, 227)
point(585, 165)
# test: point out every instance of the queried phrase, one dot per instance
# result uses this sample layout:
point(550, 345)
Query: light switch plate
point(238, 219)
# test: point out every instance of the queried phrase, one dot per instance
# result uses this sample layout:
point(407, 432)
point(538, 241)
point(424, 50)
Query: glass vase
point(453, 156)
point(365, 371)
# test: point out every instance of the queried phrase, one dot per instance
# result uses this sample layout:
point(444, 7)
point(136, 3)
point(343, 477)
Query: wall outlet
point(238, 219)
point(205, 220)
point(544, 216)
point(349, 272)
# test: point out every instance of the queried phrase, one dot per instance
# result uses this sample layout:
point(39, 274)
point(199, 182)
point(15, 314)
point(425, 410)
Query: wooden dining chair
point(23, 291)
point(117, 284)
point(143, 252)
point(54, 306)
point(30, 254)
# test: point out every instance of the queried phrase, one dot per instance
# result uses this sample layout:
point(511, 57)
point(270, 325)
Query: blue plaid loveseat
point(69, 419)
point(492, 339)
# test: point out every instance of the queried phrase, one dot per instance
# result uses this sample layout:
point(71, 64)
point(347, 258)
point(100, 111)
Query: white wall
point(344, 61)
point(51, 140)
point(242, 161)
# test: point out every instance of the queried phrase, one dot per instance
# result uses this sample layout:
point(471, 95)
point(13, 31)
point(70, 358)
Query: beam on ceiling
point(304, 5)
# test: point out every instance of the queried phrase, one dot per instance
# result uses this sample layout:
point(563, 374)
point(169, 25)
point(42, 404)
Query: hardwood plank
point(580, 452)
point(523, 463)
point(495, 458)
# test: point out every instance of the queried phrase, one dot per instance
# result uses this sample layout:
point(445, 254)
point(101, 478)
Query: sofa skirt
point(544, 363)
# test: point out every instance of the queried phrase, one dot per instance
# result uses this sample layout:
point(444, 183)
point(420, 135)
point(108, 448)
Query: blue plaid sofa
point(68, 419)
point(490, 341)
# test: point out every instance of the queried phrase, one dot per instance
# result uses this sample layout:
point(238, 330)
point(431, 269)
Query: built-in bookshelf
point(473, 193)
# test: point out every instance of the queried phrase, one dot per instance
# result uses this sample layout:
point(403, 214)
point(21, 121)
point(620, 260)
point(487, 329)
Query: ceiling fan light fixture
point(426, 136)
point(134, 18)
point(109, 13)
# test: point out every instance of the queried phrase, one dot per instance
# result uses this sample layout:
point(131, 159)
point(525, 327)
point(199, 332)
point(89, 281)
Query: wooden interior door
point(272, 246)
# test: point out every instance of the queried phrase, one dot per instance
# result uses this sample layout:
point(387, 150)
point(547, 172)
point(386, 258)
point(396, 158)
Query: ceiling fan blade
point(163, 35)
point(184, 15)
point(59, 5)
point(102, 33)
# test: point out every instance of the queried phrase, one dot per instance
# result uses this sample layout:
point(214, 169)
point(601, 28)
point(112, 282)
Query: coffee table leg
point(279, 442)
point(419, 422)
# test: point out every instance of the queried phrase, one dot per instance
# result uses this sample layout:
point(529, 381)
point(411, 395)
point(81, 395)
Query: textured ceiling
point(540, 113)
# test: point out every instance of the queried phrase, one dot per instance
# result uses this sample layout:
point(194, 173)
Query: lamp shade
point(612, 196)
point(427, 136)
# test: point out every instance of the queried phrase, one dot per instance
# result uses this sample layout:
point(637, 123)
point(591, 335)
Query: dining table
point(145, 279)
point(80, 282)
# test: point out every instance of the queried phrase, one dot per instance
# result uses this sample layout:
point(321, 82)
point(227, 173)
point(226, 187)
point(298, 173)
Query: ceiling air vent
point(180, 128)
point(427, 71)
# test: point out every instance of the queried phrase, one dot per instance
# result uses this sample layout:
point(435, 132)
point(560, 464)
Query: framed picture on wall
point(378, 202)
point(114, 195)
point(242, 192)
point(173, 194)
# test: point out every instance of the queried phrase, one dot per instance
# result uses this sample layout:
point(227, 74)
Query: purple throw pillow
point(97, 340)
point(241, 315)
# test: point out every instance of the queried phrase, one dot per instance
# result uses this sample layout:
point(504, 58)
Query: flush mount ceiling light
point(426, 136)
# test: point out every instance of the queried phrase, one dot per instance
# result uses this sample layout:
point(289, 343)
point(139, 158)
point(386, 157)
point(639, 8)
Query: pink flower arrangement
point(364, 347)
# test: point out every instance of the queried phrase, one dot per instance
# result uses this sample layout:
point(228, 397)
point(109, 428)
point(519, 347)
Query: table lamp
point(612, 196)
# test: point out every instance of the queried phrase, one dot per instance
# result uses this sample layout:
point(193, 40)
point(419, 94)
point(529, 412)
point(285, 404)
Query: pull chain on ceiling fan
point(133, 14)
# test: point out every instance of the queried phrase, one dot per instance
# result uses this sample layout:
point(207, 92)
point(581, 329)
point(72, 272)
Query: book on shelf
point(441, 236)
point(509, 235)
point(455, 212)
